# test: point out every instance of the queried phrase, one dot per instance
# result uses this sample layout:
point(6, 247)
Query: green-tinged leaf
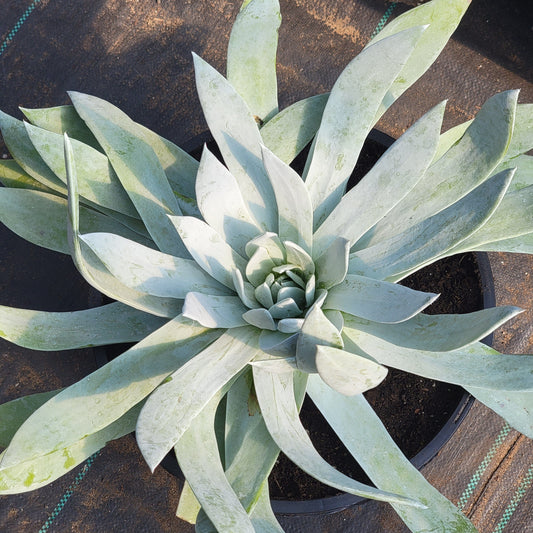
point(188, 505)
point(50, 331)
point(442, 18)
point(23, 152)
point(438, 333)
point(199, 459)
point(394, 175)
point(332, 265)
point(15, 412)
point(104, 396)
point(519, 245)
point(147, 270)
point(252, 56)
point(41, 218)
point(222, 205)
point(12, 175)
point(209, 249)
point(376, 300)
point(295, 212)
point(292, 129)
point(349, 116)
point(214, 311)
point(299, 257)
point(346, 372)
point(449, 138)
point(62, 119)
point(39, 471)
point(137, 168)
point(463, 168)
point(97, 180)
point(515, 407)
point(512, 219)
point(418, 245)
point(275, 393)
point(238, 138)
point(523, 176)
point(263, 518)
point(472, 365)
point(316, 330)
point(169, 411)
point(522, 140)
point(386, 465)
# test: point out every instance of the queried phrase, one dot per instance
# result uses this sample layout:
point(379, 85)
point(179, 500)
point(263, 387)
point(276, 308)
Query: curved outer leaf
point(438, 333)
point(215, 311)
point(472, 365)
point(291, 130)
point(332, 265)
point(349, 116)
point(463, 168)
point(403, 254)
point(37, 472)
point(199, 459)
point(169, 411)
point(22, 150)
point(443, 17)
point(515, 407)
point(238, 139)
point(394, 175)
point(386, 465)
point(104, 396)
point(519, 245)
point(209, 249)
point(40, 218)
point(97, 180)
point(93, 270)
point(49, 331)
point(222, 205)
point(523, 176)
point(12, 175)
point(252, 56)
point(295, 212)
point(346, 372)
point(137, 167)
point(522, 140)
point(147, 270)
point(275, 394)
point(450, 137)
point(376, 300)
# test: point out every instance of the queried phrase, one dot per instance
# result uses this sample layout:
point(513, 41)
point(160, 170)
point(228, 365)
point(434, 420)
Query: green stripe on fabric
point(18, 25)
point(68, 493)
point(384, 19)
point(518, 495)
point(474, 480)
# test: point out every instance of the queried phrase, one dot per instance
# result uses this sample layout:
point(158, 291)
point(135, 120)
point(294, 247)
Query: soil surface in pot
point(413, 409)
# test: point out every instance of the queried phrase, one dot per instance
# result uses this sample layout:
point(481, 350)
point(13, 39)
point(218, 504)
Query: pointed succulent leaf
point(238, 138)
point(388, 468)
point(137, 168)
point(449, 138)
point(403, 254)
point(214, 311)
point(275, 393)
point(442, 18)
point(209, 249)
point(394, 175)
point(51, 331)
point(13, 176)
point(169, 411)
point(259, 266)
point(188, 505)
point(376, 300)
point(221, 203)
point(40, 471)
point(147, 270)
point(299, 257)
point(523, 176)
point(97, 180)
point(291, 130)
point(463, 168)
point(295, 212)
point(522, 140)
point(40, 218)
point(519, 245)
point(332, 265)
point(348, 117)
point(471, 365)
point(199, 460)
point(271, 243)
point(252, 56)
point(348, 373)
point(104, 396)
point(260, 318)
point(438, 333)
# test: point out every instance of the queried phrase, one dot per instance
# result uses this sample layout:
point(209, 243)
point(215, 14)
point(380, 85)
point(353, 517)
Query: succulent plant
point(245, 286)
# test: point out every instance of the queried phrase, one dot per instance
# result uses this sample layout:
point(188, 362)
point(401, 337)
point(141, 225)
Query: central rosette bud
point(280, 284)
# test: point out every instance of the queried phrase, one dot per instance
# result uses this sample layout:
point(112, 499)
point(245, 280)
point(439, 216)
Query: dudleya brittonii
point(248, 283)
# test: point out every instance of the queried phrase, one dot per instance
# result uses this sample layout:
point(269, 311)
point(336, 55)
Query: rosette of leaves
point(245, 286)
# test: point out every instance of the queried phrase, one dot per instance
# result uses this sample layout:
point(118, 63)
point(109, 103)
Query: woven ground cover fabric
point(138, 56)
